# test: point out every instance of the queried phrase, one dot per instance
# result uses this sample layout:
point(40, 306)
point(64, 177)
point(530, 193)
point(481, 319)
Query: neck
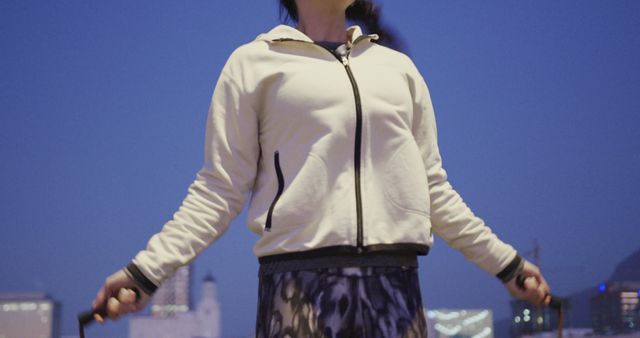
point(322, 20)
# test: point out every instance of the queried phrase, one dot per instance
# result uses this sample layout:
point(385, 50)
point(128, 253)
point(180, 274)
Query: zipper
point(344, 59)
point(276, 161)
point(357, 151)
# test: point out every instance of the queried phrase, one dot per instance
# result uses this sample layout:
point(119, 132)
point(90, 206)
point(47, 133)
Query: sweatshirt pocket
point(301, 198)
point(405, 182)
point(276, 162)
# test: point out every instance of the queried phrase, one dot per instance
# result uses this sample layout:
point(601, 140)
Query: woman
point(334, 136)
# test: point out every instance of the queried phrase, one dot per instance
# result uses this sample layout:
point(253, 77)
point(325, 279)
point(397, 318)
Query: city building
point(174, 296)
point(29, 315)
point(203, 322)
point(626, 270)
point(443, 323)
point(529, 320)
point(567, 332)
point(616, 308)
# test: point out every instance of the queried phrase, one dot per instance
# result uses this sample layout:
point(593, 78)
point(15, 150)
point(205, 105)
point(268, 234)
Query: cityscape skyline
point(103, 105)
point(625, 273)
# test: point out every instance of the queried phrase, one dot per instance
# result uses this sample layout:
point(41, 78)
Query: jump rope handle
point(85, 318)
point(555, 303)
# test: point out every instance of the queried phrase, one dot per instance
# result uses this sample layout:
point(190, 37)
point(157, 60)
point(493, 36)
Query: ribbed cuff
point(511, 270)
point(146, 285)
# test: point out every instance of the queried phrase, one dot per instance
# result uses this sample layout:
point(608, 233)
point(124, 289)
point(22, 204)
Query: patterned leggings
point(358, 302)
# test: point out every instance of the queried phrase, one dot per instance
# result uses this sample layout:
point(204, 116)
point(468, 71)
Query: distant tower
point(174, 296)
point(208, 311)
point(203, 322)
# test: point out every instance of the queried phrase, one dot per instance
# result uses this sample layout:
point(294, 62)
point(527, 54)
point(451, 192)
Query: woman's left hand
point(536, 290)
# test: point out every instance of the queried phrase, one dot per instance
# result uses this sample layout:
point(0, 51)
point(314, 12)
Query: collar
point(286, 32)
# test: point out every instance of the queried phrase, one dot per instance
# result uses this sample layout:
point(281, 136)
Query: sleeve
point(217, 194)
point(451, 218)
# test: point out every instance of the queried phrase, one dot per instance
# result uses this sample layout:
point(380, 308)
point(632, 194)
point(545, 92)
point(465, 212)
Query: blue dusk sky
point(103, 106)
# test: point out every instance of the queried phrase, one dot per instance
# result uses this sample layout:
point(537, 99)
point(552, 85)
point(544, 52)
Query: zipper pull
point(345, 60)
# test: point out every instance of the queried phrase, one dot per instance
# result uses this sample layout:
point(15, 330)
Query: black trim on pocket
point(276, 161)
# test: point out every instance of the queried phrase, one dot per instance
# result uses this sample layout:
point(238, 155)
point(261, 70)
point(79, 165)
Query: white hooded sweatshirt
point(338, 152)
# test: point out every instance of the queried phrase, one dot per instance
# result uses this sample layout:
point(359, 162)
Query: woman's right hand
point(117, 297)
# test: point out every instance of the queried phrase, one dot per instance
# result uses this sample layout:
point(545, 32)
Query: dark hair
point(363, 12)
